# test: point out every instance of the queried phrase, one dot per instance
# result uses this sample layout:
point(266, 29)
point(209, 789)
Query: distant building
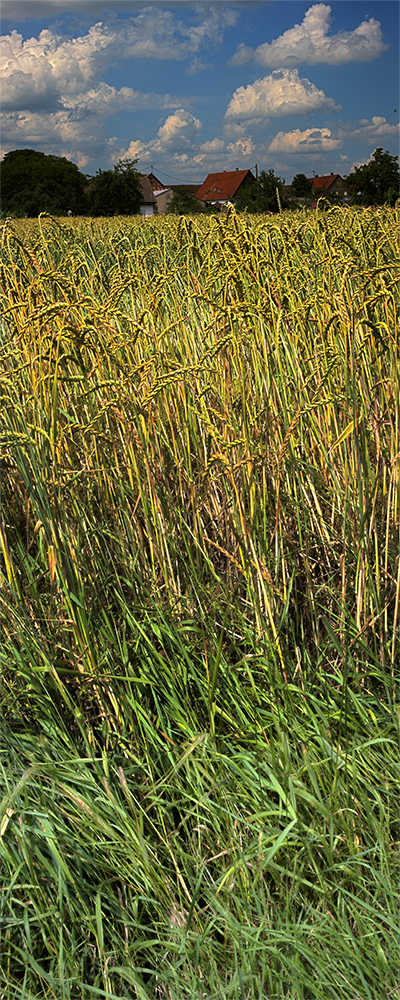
point(165, 195)
point(323, 184)
point(218, 189)
point(163, 198)
point(329, 184)
point(149, 204)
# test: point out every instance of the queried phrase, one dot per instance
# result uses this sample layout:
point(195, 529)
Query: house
point(218, 189)
point(149, 204)
point(321, 185)
point(165, 195)
point(163, 198)
point(328, 184)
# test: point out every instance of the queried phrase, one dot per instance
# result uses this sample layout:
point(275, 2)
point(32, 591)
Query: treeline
point(32, 182)
point(373, 183)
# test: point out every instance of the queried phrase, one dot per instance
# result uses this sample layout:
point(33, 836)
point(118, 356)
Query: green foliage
point(261, 195)
point(301, 186)
point(116, 191)
point(136, 865)
point(31, 182)
point(183, 202)
point(377, 182)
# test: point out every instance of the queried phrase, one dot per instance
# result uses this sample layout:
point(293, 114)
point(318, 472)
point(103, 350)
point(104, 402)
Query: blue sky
point(189, 88)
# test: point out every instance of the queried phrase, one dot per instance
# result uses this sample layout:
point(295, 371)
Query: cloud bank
point(39, 72)
point(52, 88)
point(62, 88)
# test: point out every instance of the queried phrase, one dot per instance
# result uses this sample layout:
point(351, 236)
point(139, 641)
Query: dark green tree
point(117, 191)
point(262, 195)
point(31, 182)
point(377, 182)
point(183, 202)
point(301, 186)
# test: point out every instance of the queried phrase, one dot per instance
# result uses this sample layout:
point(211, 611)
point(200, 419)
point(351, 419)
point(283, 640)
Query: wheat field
point(200, 593)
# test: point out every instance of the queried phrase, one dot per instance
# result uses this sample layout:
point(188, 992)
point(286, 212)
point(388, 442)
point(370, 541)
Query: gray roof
point(147, 191)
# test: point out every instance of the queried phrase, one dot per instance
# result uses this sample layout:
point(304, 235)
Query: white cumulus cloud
point(361, 163)
point(38, 130)
point(376, 127)
point(311, 140)
point(104, 100)
point(283, 92)
point(52, 84)
point(242, 148)
point(178, 132)
point(134, 151)
point(215, 145)
point(52, 90)
point(310, 42)
point(41, 71)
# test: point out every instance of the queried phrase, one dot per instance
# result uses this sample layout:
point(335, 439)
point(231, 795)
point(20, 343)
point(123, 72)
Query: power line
point(171, 176)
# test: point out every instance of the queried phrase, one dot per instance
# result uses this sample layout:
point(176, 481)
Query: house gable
point(223, 186)
point(328, 182)
point(156, 185)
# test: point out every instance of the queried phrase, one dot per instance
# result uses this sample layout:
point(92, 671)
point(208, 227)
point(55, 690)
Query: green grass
point(200, 600)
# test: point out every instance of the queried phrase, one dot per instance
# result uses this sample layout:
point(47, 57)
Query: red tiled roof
point(222, 186)
point(155, 183)
point(325, 181)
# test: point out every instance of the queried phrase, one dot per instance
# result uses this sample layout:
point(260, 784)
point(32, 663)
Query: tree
point(183, 202)
point(31, 182)
point(301, 186)
point(261, 195)
point(377, 182)
point(117, 191)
